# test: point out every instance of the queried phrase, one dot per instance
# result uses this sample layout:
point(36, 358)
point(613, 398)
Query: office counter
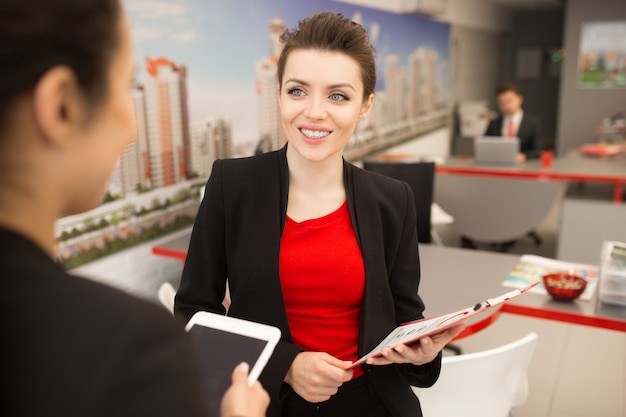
point(454, 278)
point(176, 248)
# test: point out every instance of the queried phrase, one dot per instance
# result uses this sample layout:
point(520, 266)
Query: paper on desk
point(531, 268)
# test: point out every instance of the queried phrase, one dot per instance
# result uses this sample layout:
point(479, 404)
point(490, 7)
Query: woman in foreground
point(73, 347)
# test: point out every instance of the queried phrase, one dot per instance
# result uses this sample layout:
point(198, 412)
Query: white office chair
point(438, 216)
point(167, 292)
point(482, 384)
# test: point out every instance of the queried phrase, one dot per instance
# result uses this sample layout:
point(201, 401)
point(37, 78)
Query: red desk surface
point(570, 167)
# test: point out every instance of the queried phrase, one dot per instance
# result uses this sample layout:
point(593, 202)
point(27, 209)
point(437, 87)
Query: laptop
point(496, 150)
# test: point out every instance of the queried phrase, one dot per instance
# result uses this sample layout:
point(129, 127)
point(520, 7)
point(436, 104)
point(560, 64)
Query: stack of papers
point(531, 268)
point(613, 273)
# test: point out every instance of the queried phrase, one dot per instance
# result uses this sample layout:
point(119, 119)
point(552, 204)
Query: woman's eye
point(295, 92)
point(339, 97)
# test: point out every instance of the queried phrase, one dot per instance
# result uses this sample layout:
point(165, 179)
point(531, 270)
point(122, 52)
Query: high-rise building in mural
point(267, 100)
point(201, 149)
point(168, 148)
point(131, 171)
point(210, 139)
point(143, 167)
point(276, 28)
point(162, 153)
point(395, 89)
point(221, 138)
point(422, 81)
point(166, 122)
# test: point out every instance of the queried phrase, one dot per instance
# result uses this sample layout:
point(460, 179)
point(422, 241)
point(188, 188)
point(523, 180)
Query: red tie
point(510, 130)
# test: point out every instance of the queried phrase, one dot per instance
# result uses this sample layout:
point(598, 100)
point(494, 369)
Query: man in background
point(513, 122)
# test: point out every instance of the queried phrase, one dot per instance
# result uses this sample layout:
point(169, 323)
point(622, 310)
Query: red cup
point(546, 159)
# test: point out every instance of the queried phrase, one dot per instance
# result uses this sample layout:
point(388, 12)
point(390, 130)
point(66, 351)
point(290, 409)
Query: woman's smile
point(314, 135)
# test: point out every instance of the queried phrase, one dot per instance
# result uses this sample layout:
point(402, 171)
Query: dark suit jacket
point(73, 348)
point(528, 133)
point(237, 236)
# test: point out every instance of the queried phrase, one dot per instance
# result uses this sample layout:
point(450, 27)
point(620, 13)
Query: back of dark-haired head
point(329, 31)
point(506, 87)
point(37, 35)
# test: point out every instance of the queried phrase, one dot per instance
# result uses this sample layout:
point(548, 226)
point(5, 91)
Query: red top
point(323, 281)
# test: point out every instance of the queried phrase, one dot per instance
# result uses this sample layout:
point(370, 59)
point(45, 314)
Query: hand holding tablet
point(241, 399)
point(223, 343)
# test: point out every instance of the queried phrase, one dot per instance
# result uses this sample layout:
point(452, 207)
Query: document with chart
point(410, 332)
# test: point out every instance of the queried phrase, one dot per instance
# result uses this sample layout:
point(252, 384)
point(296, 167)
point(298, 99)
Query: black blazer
point(237, 236)
point(528, 134)
point(74, 348)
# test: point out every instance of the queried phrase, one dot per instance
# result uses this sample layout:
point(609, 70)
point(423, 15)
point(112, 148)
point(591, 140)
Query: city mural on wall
point(206, 89)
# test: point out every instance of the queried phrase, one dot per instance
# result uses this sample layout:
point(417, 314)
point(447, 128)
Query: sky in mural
point(219, 42)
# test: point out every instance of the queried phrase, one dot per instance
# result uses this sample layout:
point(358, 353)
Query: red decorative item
point(600, 149)
point(564, 287)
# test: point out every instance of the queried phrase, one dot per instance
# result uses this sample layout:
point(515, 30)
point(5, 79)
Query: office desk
point(454, 278)
point(570, 167)
point(464, 276)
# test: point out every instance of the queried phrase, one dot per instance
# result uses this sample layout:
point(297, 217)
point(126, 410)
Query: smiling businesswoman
point(311, 244)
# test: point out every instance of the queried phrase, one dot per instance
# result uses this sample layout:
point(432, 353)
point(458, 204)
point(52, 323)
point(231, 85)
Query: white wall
point(433, 146)
point(475, 14)
point(477, 66)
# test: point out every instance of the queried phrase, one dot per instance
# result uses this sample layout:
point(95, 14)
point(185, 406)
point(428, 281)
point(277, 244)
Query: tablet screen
point(219, 353)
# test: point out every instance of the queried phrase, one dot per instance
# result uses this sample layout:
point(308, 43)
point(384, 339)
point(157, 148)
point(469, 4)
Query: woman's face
point(104, 137)
point(321, 101)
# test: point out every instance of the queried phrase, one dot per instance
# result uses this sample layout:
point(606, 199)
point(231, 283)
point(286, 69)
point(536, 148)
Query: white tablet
point(223, 343)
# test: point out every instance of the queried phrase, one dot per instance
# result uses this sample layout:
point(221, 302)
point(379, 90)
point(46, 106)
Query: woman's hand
point(315, 376)
point(419, 353)
point(242, 400)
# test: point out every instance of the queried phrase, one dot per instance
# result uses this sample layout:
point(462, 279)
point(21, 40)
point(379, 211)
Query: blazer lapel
point(377, 317)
